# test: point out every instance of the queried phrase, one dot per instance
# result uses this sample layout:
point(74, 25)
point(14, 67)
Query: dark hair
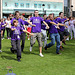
point(70, 18)
point(0, 20)
point(16, 12)
point(35, 10)
point(60, 13)
point(44, 15)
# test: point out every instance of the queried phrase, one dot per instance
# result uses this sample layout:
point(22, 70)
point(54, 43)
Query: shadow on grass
point(7, 52)
point(7, 57)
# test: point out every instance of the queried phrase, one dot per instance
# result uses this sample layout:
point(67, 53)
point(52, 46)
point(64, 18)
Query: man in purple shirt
point(62, 30)
point(53, 34)
point(43, 31)
point(22, 25)
point(36, 20)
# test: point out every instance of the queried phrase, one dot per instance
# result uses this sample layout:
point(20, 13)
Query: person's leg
point(39, 39)
point(8, 32)
point(23, 40)
point(14, 47)
point(58, 43)
point(52, 41)
point(18, 50)
point(71, 32)
point(0, 42)
point(32, 41)
point(3, 32)
point(44, 37)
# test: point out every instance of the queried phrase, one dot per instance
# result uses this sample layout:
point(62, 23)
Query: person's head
point(15, 23)
point(8, 18)
point(70, 18)
point(51, 14)
point(22, 17)
point(51, 17)
point(61, 14)
point(36, 13)
point(65, 17)
point(0, 21)
point(17, 14)
point(55, 17)
point(44, 16)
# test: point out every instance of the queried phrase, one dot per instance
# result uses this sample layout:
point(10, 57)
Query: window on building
point(35, 5)
point(5, 3)
point(22, 4)
point(54, 6)
point(48, 6)
point(16, 4)
point(27, 5)
point(39, 6)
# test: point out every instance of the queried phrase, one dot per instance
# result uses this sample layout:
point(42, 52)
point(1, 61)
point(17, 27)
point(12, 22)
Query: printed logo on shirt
point(36, 21)
point(19, 24)
point(16, 31)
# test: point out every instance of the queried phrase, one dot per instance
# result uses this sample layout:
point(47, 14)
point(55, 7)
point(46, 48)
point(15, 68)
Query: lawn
point(33, 64)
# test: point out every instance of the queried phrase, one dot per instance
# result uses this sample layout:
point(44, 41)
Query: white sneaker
point(0, 51)
point(41, 55)
point(30, 49)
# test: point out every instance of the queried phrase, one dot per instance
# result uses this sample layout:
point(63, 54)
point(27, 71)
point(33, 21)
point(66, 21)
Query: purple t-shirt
point(20, 22)
point(43, 26)
point(53, 28)
point(36, 21)
point(15, 35)
point(0, 27)
point(62, 28)
point(2, 23)
point(26, 23)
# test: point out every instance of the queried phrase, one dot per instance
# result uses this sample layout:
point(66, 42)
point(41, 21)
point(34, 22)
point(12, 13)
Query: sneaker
point(59, 53)
point(41, 55)
point(64, 42)
point(18, 59)
point(0, 51)
point(61, 48)
point(8, 38)
point(30, 49)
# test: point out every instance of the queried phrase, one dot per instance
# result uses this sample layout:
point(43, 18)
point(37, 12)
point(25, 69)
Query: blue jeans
point(54, 37)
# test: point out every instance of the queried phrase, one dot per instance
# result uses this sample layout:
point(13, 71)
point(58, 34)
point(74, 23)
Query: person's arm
point(28, 32)
point(31, 23)
point(46, 24)
point(13, 29)
point(53, 23)
point(62, 25)
point(4, 25)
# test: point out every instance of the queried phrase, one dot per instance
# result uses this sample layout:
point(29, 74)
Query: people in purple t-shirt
point(43, 30)
point(53, 34)
point(3, 23)
point(36, 20)
point(62, 30)
point(22, 25)
point(15, 38)
point(0, 36)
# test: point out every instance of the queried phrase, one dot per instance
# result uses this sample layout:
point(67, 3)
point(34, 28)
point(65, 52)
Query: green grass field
point(33, 64)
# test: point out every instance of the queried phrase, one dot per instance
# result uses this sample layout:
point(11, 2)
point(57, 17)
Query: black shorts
point(63, 33)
